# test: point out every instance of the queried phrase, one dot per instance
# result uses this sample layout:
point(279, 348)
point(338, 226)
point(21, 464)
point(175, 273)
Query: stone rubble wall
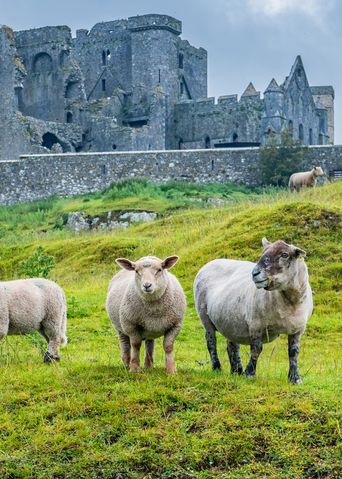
point(35, 177)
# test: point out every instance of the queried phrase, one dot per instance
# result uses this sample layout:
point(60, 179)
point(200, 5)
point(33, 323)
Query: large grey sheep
point(305, 178)
point(145, 302)
point(252, 304)
point(36, 304)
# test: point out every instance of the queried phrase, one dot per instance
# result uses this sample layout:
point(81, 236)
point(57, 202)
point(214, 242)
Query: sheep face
point(150, 274)
point(277, 266)
point(317, 171)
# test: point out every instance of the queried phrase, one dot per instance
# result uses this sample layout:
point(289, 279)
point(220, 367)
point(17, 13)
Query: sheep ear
point(169, 262)
point(299, 252)
point(125, 264)
point(265, 243)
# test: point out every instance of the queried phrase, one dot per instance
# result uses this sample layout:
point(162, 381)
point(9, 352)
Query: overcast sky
point(246, 40)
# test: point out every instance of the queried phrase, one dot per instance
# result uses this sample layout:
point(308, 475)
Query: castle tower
point(325, 95)
point(155, 60)
point(273, 119)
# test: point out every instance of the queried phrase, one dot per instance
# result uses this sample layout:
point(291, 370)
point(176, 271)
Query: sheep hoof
point(171, 370)
point(49, 358)
point(217, 366)
point(237, 370)
point(295, 379)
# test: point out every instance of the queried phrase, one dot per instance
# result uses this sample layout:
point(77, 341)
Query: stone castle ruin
point(135, 85)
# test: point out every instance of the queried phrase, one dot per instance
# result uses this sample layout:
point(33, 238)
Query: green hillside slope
point(87, 417)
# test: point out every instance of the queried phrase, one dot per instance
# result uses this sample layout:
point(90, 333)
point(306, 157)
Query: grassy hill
point(87, 417)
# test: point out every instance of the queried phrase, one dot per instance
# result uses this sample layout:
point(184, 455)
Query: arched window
point(103, 84)
point(71, 91)
point(310, 137)
point(320, 139)
point(42, 63)
point(180, 144)
point(180, 60)
point(63, 57)
point(69, 117)
point(105, 57)
point(207, 142)
point(291, 128)
point(235, 137)
point(301, 132)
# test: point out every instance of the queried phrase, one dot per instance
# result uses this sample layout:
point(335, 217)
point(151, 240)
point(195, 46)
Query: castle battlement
point(155, 22)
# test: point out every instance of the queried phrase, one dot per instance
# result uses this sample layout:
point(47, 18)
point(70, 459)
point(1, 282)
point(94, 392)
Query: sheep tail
point(63, 336)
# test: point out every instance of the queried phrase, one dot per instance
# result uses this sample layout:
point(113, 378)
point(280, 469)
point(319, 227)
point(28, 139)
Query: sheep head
point(278, 265)
point(150, 274)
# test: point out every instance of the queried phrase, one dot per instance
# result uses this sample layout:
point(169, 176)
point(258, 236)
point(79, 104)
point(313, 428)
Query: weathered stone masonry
point(40, 176)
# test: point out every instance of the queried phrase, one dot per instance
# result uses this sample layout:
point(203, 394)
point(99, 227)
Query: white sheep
point(252, 303)
point(305, 178)
point(36, 304)
point(145, 302)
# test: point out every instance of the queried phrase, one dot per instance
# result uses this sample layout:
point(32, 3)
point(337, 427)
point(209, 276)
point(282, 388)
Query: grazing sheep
point(145, 302)
point(305, 179)
point(253, 303)
point(29, 305)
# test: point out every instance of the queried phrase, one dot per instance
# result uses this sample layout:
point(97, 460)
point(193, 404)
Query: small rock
point(316, 223)
point(138, 216)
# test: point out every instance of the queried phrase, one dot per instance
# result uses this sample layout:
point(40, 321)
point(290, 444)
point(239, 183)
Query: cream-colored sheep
point(305, 178)
point(252, 304)
point(145, 302)
point(29, 305)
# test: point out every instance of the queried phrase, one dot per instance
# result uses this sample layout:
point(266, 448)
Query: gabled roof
point(323, 90)
point(250, 91)
point(273, 87)
point(298, 65)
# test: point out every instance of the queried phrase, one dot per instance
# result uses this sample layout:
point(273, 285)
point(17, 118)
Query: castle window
point(42, 63)
point(69, 117)
point(181, 88)
point(180, 60)
point(235, 137)
point(180, 144)
point(63, 57)
point(105, 57)
point(291, 128)
point(207, 142)
point(310, 137)
point(301, 132)
point(104, 169)
point(103, 84)
point(114, 146)
point(320, 139)
point(71, 90)
point(299, 72)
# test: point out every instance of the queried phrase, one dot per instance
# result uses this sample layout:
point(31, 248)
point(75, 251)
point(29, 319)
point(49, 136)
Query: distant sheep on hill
point(252, 304)
point(145, 302)
point(305, 179)
point(29, 305)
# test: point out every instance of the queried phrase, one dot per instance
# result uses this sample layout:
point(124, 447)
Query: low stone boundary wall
point(40, 176)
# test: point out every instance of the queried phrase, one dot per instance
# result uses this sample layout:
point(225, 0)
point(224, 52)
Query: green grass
point(87, 417)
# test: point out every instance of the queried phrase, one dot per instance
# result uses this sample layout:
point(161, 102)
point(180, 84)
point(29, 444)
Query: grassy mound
point(87, 417)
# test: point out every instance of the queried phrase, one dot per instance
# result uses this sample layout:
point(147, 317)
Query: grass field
point(87, 417)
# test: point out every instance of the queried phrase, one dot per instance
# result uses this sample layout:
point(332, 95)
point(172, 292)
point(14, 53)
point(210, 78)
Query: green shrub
point(39, 265)
point(277, 162)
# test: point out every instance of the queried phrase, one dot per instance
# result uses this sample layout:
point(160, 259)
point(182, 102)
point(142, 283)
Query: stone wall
point(40, 176)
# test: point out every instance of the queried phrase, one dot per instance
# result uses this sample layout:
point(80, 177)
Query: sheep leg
point(52, 352)
point(149, 349)
point(134, 365)
point(233, 350)
point(168, 342)
point(293, 348)
point(125, 347)
point(256, 348)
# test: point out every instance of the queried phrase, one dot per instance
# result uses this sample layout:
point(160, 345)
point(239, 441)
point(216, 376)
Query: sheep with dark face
point(145, 302)
point(305, 178)
point(252, 304)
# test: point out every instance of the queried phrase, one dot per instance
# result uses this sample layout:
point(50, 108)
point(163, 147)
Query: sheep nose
point(147, 286)
point(256, 271)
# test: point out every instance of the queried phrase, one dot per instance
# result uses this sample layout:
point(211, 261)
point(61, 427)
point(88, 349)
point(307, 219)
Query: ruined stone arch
point(63, 57)
point(71, 90)
point(42, 63)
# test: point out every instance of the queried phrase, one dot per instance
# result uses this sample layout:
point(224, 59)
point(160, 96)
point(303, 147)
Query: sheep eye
point(284, 255)
point(158, 271)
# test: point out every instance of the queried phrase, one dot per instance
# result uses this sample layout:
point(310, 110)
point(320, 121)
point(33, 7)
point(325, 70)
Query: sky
point(246, 40)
